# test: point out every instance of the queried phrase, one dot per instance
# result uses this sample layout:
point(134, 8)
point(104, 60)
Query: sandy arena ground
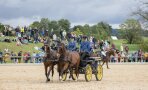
point(31, 77)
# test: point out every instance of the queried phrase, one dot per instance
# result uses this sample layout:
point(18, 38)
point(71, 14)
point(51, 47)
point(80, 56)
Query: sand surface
point(31, 77)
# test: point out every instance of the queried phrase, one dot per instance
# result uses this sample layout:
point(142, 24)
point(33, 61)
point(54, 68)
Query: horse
point(68, 61)
point(50, 56)
point(107, 57)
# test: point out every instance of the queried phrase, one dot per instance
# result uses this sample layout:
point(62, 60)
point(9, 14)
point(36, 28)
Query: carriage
point(89, 67)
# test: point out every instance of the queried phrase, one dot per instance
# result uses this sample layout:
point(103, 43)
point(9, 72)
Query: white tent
point(114, 37)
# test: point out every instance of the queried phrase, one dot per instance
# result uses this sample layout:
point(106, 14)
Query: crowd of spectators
point(26, 35)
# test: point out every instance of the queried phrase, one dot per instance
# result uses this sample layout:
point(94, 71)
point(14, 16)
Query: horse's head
point(61, 48)
point(112, 52)
point(46, 46)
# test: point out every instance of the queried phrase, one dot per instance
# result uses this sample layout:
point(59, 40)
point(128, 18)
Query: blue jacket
point(85, 46)
point(72, 46)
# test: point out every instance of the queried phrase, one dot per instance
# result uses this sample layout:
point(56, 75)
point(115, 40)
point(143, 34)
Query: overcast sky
point(24, 12)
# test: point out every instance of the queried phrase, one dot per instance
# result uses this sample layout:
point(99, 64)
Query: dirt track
point(31, 77)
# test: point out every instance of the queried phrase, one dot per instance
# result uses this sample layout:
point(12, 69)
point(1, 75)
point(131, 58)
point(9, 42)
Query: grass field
point(132, 47)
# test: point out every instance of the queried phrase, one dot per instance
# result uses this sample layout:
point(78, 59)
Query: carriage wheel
point(99, 73)
point(64, 76)
point(88, 73)
point(74, 77)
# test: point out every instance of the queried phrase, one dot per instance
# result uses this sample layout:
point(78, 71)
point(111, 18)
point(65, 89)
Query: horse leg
point(103, 62)
point(70, 69)
point(107, 65)
point(50, 68)
point(46, 67)
point(77, 70)
point(52, 71)
point(64, 69)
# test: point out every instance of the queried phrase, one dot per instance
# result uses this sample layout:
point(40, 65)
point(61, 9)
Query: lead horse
point(49, 60)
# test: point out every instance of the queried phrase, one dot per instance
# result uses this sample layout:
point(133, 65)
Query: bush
point(144, 46)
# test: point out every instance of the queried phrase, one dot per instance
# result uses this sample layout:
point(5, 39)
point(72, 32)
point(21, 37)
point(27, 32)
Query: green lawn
point(132, 47)
point(25, 48)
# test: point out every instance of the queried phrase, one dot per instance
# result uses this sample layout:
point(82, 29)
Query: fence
point(39, 59)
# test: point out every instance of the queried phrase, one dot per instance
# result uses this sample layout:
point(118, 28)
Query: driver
point(85, 48)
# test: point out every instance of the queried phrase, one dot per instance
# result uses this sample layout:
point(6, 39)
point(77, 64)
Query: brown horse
point(107, 57)
point(49, 60)
point(67, 60)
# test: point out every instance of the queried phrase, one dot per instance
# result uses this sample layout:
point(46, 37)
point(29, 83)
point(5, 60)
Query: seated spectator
point(19, 56)
point(7, 40)
point(25, 57)
point(1, 57)
point(33, 57)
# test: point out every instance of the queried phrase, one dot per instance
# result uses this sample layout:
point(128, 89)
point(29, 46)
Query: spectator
point(1, 57)
point(94, 42)
point(61, 34)
point(22, 31)
point(33, 57)
point(6, 57)
point(64, 34)
point(29, 57)
point(51, 34)
point(121, 48)
point(19, 56)
point(25, 57)
point(139, 55)
point(13, 57)
point(126, 49)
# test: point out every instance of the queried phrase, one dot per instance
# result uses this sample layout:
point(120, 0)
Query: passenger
point(72, 45)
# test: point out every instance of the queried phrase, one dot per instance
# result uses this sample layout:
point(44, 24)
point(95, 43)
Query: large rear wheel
point(88, 73)
point(99, 73)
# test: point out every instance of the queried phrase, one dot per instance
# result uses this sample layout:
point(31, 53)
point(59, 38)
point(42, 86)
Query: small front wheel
point(88, 73)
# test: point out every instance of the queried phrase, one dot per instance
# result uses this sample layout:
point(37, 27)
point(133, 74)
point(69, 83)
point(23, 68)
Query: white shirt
point(121, 48)
point(64, 33)
point(54, 37)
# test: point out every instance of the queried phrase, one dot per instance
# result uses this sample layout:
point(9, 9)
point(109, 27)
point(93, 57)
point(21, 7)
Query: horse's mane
point(63, 48)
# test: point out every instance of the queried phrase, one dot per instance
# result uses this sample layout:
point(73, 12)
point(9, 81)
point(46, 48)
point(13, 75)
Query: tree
point(77, 32)
point(86, 30)
point(142, 13)
point(44, 23)
point(64, 24)
point(54, 25)
point(144, 45)
point(2, 27)
point(131, 30)
point(35, 24)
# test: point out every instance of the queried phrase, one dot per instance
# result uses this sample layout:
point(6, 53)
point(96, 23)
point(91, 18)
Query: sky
point(24, 12)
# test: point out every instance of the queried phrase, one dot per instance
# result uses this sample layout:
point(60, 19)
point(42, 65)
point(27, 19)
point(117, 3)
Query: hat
point(84, 37)
point(71, 37)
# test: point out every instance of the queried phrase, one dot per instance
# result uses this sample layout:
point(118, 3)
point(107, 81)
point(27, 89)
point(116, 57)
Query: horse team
point(66, 61)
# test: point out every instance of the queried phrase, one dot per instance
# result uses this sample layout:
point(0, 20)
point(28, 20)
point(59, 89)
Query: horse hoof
point(47, 80)
point(61, 81)
point(76, 80)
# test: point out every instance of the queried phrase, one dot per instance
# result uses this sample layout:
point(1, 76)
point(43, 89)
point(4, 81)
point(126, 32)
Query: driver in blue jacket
point(85, 48)
point(72, 45)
